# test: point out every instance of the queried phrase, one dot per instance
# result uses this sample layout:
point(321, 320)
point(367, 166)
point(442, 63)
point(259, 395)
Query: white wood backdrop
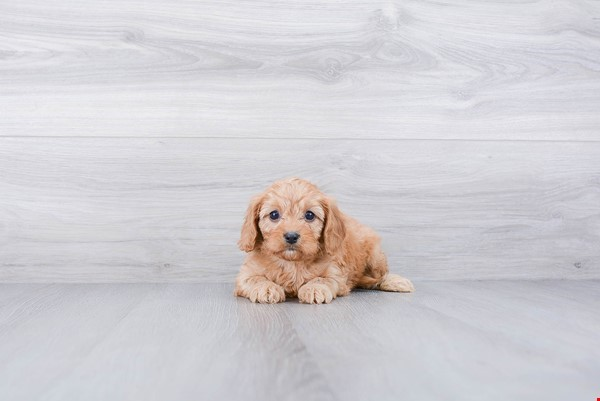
point(132, 133)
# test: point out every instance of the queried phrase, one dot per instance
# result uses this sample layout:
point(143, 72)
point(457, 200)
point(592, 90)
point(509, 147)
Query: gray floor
point(466, 340)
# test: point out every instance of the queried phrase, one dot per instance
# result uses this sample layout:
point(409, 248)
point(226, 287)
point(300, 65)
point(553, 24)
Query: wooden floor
point(470, 340)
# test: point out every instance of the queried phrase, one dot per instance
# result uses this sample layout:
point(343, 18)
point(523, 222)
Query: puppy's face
point(291, 220)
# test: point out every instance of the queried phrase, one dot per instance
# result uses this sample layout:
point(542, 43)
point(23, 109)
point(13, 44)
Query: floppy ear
point(334, 232)
point(250, 232)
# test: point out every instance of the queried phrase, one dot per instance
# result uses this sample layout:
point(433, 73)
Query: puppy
point(301, 245)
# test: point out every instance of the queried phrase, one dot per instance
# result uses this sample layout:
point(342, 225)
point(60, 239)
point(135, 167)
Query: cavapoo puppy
point(299, 244)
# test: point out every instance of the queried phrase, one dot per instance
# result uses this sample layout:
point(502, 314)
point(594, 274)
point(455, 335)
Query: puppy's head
point(292, 220)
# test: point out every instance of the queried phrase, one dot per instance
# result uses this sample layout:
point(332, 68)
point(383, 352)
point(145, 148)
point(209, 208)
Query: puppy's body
point(301, 245)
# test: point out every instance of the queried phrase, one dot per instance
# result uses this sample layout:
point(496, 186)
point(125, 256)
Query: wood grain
point(522, 70)
point(517, 340)
point(154, 210)
point(461, 340)
point(133, 133)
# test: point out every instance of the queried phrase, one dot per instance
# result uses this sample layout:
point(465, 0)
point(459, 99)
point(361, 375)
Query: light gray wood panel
point(390, 69)
point(47, 332)
point(111, 210)
point(10, 293)
point(468, 340)
point(544, 305)
point(459, 340)
point(133, 342)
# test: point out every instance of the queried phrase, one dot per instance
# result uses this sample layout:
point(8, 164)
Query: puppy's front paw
point(267, 292)
point(396, 283)
point(315, 293)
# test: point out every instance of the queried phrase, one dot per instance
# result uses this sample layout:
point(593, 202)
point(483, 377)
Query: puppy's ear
point(334, 232)
point(250, 232)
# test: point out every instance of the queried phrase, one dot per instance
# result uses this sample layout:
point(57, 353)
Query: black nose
point(291, 237)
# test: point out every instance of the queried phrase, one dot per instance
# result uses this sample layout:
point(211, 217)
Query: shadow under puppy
point(301, 245)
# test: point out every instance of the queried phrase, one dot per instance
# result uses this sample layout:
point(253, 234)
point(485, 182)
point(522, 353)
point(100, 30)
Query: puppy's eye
point(274, 215)
point(309, 216)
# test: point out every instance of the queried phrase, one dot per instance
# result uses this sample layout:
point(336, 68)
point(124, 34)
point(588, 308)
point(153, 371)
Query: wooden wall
point(133, 133)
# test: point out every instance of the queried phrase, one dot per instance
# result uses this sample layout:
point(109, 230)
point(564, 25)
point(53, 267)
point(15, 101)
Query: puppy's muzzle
point(291, 237)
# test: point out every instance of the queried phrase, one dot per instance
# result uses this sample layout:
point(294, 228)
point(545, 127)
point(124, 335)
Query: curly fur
point(334, 254)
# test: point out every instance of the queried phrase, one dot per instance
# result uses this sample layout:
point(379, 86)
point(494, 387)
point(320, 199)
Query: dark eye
point(309, 216)
point(274, 215)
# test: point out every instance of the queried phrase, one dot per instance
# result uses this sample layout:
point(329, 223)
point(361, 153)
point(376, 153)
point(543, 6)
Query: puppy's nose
point(291, 237)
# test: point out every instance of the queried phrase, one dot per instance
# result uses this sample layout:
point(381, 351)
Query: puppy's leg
point(377, 276)
point(395, 283)
point(258, 289)
point(318, 291)
point(324, 289)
